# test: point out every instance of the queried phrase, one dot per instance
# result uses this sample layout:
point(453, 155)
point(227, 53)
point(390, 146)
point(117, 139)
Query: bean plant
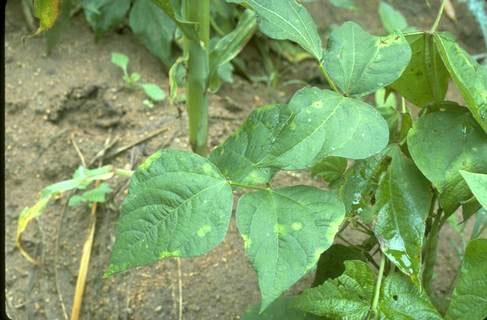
point(395, 173)
point(395, 181)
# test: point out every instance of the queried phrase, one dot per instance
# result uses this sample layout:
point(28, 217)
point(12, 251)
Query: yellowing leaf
point(47, 11)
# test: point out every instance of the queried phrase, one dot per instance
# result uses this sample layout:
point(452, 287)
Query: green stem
point(378, 285)
point(327, 77)
point(198, 70)
point(247, 186)
point(438, 17)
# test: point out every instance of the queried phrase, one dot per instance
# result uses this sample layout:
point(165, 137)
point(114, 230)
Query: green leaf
point(346, 297)
point(443, 143)
point(345, 4)
point(153, 28)
point(403, 201)
point(280, 309)
point(154, 92)
point(392, 20)
point(121, 60)
point(350, 295)
point(285, 231)
point(47, 11)
point(95, 195)
point(323, 124)
point(239, 156)
point(103, 15)
point(172, 8)
point(402, 300)
point(360, 183)
point(178, 205)
point(330, 169)
point(425, 79)
point(228, 47)
point(360, 63)
point(469, 76)
point(287, 20)
point(477, 183)
point(469, 299)
point(332, 262)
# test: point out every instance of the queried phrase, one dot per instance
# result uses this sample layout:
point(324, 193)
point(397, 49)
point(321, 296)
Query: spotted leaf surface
point(285, 231)
point(178, 205)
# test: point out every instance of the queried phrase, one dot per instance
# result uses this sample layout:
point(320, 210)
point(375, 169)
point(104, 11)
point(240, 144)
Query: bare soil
point(77, 94)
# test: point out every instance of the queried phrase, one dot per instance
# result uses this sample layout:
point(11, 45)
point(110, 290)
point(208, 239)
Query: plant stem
point(198, 71)
point(327, 77)
point(378, 285)
point(247, 186)
point(438, 17)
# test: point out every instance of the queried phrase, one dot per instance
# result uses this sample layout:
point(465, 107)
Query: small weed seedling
point(151, 90)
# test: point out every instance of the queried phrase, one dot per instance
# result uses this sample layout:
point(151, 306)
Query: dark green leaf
point(469, 76)
point(323, 124)
point(154, 29)
point(285, 231)
point(425, 79)
point(403, 201)
point(477, 183)
point(441, 144)
point(172, 8)
point(239, 156)
point(178, 205)
point(332, 262)
point(346, 297)
point(469, 299)
point(360, 63)
point(330, 169)
point(103, 15)
point(287, 20)
point(230, 46)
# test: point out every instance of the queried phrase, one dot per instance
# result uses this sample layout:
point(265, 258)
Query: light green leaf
point(346, 297)
point(177, 77)
point(392, 20)
point(239, 156)
point(402, 300)
point(285, 231)
point(443, 143)
point(346, 4)
point(153, 28)
point(228, 47)
point(425, 79)
point(178, 205)
point(121, 60)
point(154, 92)
point(387, 107)
point(469, 76)
point(330, 169)
point(287, 20)
point(280, 309)
point(469, 299)
point(332, 262)
point(360, 63)
point(95, 195)
point(477, 183)
point(103, 15)
point(403, 201)
point(323, 124)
